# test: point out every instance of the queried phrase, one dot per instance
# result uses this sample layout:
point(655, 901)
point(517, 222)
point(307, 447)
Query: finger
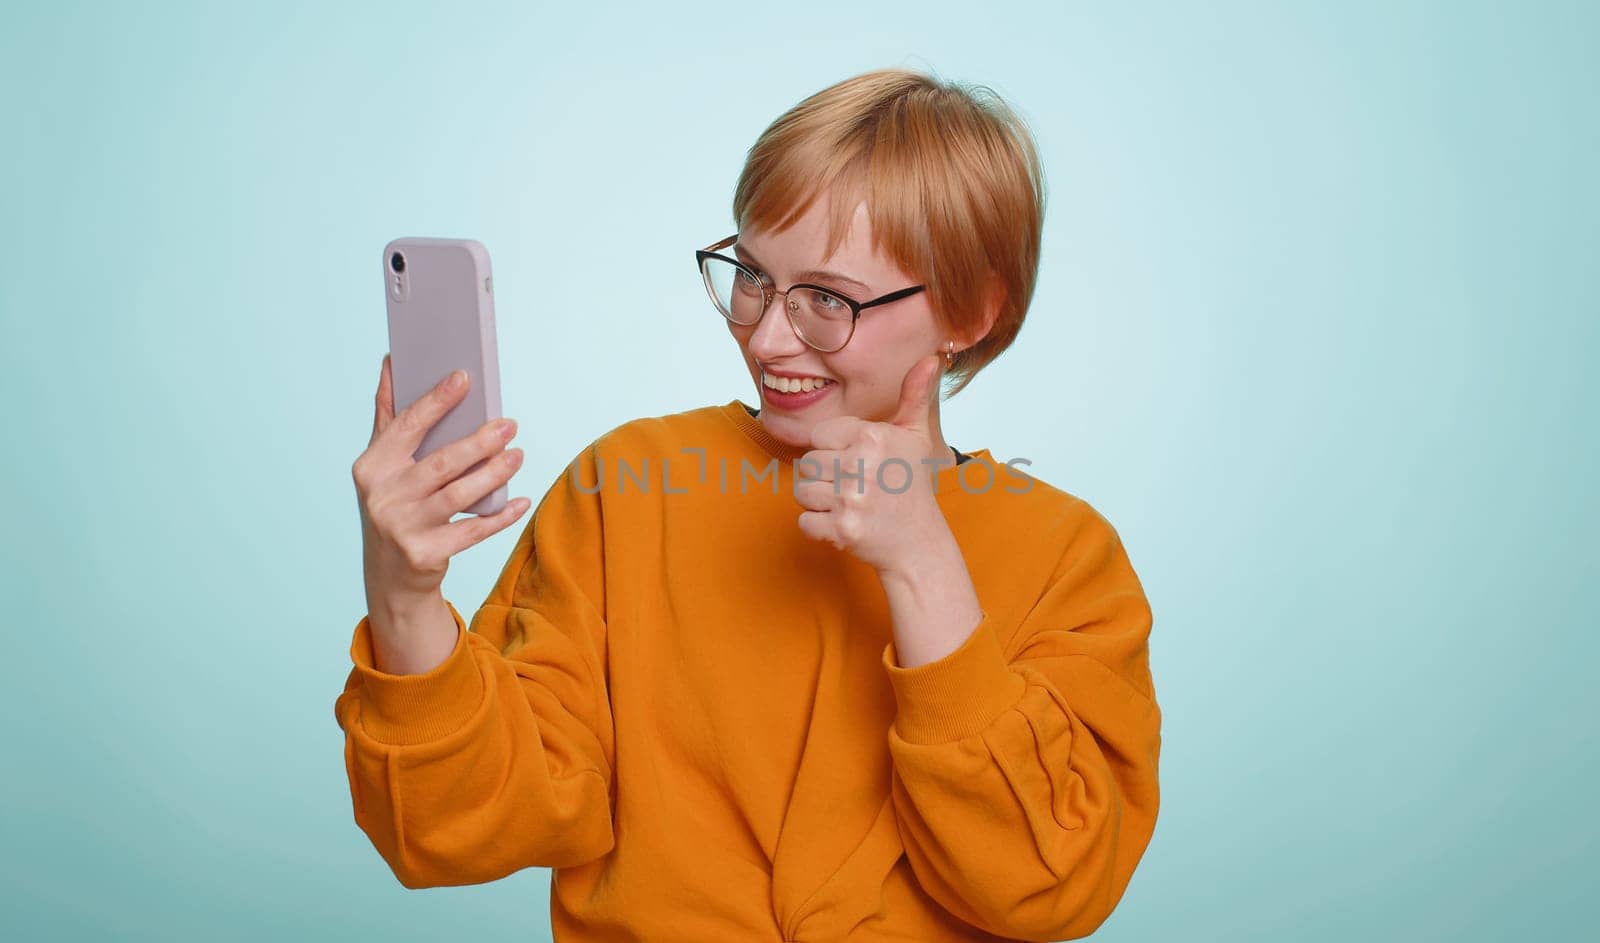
point(459, 535)
point(463, 489)
point(917, 395)
point(816, 495)
point(383, 403)
point(818, 525)
point(448, 472)
point(405, 433)
point(836, 432)
point(822, 464)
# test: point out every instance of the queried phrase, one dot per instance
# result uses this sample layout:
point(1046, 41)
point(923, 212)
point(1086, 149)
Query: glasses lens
point(822, 318)
point(735, 293)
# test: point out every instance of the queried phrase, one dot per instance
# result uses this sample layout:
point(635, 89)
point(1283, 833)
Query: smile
point(793, 384)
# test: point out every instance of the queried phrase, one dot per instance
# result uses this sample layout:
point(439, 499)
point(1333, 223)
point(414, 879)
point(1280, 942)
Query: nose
point(773, 337)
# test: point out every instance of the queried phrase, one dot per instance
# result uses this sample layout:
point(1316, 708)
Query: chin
point(788, 431)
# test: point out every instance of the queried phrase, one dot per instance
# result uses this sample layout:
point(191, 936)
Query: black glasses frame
point(767, 294)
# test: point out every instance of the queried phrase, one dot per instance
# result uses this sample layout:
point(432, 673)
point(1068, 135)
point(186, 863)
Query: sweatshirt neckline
point(946, 478)
point(754, 428)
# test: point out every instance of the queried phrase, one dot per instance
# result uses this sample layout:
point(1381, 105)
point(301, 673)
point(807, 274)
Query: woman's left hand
point(887, 515)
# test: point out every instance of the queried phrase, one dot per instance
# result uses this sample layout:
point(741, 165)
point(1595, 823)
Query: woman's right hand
point(406, 505)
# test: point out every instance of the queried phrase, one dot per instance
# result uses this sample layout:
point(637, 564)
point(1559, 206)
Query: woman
point(795, 672)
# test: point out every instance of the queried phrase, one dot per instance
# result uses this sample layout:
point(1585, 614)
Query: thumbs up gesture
point(866, 486)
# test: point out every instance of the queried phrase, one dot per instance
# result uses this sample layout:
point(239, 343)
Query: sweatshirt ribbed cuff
point(402, 710)
point(957, 695)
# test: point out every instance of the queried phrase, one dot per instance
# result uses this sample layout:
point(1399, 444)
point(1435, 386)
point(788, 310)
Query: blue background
point(1313, 329)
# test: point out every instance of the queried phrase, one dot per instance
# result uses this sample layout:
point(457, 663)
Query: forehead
point(803, 247)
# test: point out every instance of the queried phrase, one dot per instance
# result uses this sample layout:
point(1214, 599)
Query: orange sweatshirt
point(694, 713)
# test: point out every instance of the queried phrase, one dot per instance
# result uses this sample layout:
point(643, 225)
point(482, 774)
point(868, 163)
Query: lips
point(789, 392)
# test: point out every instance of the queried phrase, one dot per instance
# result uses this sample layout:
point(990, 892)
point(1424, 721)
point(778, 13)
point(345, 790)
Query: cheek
point(871, 386)
point(860, 379)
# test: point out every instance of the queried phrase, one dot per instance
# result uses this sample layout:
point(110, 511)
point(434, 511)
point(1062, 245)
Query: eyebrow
point(808, 273)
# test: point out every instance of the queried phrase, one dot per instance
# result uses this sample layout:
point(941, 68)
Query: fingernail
point(458, 379)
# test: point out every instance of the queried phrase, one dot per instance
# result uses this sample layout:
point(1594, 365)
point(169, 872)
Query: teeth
point(793, 385)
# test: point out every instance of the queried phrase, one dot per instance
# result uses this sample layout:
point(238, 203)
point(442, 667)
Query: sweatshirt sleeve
point(500, 758)
point(1024, 762)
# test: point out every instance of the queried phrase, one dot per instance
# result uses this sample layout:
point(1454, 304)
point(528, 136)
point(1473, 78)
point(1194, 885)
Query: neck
point(942, 451)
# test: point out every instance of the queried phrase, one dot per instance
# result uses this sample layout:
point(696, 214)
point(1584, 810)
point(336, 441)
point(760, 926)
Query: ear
point(994, 299)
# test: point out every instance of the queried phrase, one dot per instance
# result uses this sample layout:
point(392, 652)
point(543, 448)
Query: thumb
point(916, 394)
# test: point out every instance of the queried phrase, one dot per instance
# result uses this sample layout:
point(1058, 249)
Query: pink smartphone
point(440, 295)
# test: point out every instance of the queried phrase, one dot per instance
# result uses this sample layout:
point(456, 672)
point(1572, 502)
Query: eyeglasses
point(821, 317)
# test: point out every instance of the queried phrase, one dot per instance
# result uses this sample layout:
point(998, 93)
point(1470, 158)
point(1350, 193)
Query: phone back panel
point(441, 318)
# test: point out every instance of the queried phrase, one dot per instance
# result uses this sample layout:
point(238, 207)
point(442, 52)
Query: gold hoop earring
point(949, 354)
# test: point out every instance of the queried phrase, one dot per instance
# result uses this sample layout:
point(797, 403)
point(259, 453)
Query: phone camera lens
point(397, 262)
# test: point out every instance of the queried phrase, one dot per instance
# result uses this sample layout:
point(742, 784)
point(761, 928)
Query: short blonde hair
point(953, 186)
